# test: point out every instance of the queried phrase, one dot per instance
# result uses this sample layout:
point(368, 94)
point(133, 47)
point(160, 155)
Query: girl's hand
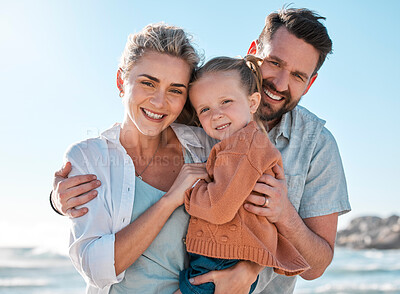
point(71, 192)
point(236, 279)
point(187, 177)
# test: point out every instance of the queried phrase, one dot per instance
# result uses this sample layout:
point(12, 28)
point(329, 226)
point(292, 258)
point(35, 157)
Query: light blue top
point(157, 269)
point(315, 177)
point(93, 235)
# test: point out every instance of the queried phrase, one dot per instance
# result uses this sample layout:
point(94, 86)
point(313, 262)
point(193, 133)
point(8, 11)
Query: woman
point(132, 239)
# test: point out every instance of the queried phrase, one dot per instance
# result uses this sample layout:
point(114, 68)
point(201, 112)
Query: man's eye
point(226, 101)
point(298, 77)
point(146, 83)
point(176, 91)
point(274, 63)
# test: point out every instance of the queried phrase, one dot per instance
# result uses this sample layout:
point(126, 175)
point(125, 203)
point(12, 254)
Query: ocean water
point(35, 270)
point(357, 271)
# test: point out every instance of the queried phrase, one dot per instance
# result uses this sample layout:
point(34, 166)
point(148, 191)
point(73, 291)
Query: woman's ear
point(254, 102)
point(120, 82)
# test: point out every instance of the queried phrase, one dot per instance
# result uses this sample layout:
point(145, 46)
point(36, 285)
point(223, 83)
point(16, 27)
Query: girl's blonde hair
point(249, 72)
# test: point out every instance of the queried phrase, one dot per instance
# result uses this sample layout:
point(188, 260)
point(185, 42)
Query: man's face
point(287, 69)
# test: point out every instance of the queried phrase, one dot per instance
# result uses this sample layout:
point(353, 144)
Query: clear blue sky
point(58, 61)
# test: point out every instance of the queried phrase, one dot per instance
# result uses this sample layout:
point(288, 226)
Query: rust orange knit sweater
point(220, 227)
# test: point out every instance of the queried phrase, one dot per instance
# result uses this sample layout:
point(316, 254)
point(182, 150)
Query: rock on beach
point(371, 232)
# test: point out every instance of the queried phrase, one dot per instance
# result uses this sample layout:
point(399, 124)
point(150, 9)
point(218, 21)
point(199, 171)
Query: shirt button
point(199, 233)
point(194, 220)
point(233, 227)
point(184, 241)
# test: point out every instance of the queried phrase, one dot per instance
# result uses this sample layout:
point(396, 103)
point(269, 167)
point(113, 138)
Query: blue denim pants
point(199, 265)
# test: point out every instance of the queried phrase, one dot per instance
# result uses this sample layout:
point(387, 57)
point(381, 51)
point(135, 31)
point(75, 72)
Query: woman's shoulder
point(194, 135)
point(94, 147)
point(89, 150)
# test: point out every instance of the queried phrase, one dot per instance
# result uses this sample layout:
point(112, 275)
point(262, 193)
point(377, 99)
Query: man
point(294, 45)
point(305, 200)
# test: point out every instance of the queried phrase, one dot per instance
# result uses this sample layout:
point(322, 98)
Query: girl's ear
point(120, 82)
point(254, 102)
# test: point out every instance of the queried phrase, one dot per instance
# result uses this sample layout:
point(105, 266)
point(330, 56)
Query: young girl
point(225, 94)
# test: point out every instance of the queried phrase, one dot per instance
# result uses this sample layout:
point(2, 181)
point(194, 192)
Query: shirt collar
point(184, 133)
point(112, 134)
point(283, 128)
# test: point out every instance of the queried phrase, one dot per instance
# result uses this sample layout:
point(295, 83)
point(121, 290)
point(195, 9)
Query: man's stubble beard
point(270, 115)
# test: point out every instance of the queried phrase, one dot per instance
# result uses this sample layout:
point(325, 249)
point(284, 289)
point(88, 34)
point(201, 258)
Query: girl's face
point(155, 92)
point(222, 104)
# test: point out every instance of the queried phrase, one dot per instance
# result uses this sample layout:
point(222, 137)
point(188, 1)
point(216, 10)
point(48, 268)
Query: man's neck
point(272, 123)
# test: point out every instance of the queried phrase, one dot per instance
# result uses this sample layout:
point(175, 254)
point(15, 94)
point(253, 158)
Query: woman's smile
point(155, 92)
point(153, 115)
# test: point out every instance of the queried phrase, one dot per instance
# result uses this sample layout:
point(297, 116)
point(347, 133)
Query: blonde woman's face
point(155, 92)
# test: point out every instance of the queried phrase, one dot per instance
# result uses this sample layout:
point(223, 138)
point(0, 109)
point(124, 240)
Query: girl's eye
point(203, 110)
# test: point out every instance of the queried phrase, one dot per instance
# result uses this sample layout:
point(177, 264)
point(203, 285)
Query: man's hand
point(236, 279)
point(313, 237)
point(71, 192)
point(277, 201)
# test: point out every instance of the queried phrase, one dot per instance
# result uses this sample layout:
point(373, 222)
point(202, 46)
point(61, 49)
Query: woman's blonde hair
point(161, 38)
point(248, 69)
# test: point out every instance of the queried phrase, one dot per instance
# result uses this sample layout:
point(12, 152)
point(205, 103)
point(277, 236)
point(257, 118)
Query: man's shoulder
point(300, 112)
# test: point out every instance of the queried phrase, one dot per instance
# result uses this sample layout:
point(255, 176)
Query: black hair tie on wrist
point(52, 205)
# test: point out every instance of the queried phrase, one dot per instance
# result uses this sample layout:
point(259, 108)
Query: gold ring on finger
point(266, 201)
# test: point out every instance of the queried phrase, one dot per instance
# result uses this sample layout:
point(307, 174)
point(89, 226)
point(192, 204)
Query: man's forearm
point(314, 238)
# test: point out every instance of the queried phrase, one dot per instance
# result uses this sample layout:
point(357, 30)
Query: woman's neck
point(157, 159)
point(138, 143)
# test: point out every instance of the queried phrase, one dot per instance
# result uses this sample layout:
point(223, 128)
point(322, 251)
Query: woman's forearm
point(134, 239)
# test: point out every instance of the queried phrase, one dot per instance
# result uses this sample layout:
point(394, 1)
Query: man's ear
point(120, 80)
point(312, 80)
point(253, 48)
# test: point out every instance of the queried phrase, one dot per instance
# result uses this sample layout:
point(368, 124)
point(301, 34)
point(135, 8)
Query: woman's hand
point(71, 192)
point(236, 279)
point(277, 201)
point(187, 177)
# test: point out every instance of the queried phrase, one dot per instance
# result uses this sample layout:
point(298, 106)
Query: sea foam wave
point(23, 282)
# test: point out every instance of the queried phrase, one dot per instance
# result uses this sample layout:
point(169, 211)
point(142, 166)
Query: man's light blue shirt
point(314, 174)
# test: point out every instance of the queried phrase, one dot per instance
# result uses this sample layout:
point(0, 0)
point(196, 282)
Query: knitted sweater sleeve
point(234, 173)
